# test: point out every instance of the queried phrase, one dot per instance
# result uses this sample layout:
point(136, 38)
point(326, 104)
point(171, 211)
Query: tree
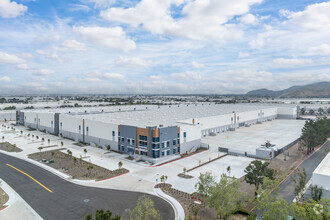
point(299, 179)
point(101, 215)
point(184, 170)
point(228, 170)
point(42, 139)
point(273, 208)
point(109, 148)
point(316, 210)
point(3, 138)
point(255, 173)
point(85, 151)
point(89, 168)
point(62, 143)
point(316, 192)
point(225, 196)
point(48, 141)
point(205, 183)
point(311, 112)
point(120, 164)
point(144, 210)
point(40, 148)
point(70, 153)
point(302, 111)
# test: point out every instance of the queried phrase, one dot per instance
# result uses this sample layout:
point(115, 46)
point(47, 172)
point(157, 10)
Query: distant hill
point(321, 89)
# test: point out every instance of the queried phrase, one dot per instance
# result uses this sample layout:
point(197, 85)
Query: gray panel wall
point(168, 134)
point(127, 132)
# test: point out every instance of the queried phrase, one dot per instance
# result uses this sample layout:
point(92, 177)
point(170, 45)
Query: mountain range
point(320, 89)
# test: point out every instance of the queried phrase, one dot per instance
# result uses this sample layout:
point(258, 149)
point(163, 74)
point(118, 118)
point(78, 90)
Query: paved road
point(68, 200)
point(287, 187)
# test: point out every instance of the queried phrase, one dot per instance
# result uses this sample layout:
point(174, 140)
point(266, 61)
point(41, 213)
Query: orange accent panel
point(144, 132)
point(155, 132)
point(178, 129)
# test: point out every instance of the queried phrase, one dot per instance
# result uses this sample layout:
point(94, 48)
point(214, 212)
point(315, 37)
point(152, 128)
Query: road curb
point(178, 210)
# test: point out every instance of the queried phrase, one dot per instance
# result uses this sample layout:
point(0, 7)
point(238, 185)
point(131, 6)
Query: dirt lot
point(76, 167)
point(282, 164)
point(3, 198)
point(6, 146)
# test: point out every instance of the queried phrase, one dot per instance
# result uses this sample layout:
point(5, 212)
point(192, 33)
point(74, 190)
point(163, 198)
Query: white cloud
point(315, 17)
point(323, 49)
point(71, 45)
point(243, 54)
point(243, 75)
point(101, 3)
point(22, 66)
point(5, 79)
point(113, 76)
point(6, 58)
point(293, 61)
point(27, 55)
point(249, 19)
point(112, 38)
point(188, 75)
point(197, 65)
point(132, 62)
point(10, 9)
point(43, 72)
point(202, 19)
point(155, 77)
point(92, 79)
point(50, 55)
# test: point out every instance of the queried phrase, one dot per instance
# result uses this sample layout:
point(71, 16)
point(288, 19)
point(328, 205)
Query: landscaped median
point(3, 198)
point(76, 167)
point(6, 146)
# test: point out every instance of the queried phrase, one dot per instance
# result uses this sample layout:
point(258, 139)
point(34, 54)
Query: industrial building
point(150, 131)
point(321, 176)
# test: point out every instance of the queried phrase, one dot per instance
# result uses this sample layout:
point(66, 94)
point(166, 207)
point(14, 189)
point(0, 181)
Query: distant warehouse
point(149, 131)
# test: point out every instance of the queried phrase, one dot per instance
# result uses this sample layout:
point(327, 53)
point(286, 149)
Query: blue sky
point(162, 46)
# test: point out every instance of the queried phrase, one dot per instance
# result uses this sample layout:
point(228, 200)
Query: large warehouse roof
point(152, 115)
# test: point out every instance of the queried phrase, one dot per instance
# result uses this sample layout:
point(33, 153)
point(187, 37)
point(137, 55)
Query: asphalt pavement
point(68, 200)
point(286, 190)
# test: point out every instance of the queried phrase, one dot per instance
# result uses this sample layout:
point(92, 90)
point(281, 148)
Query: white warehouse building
point(150, 131)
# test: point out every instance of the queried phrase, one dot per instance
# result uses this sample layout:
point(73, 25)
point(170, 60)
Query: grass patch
point(76, 167)
point(6, 146)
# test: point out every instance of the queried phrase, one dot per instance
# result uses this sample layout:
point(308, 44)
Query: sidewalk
point(14, 204)
point(179, 212)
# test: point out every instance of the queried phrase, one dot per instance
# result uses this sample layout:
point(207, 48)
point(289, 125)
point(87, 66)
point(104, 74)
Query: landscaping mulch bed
point(77, 168)
point(198, 150)
point(185, 176)
point(3, 197)
point(6, 146)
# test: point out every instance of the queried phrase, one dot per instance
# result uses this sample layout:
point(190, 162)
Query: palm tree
point(85, 151)
point(48, 141)
point(40, 148)
point(62, 143)
point(3, 138)
point(228, 170)
point(108, 148)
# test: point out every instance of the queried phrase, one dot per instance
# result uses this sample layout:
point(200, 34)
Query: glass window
point(86, 128)
point(128, 141)
point(79, 127)
point(163, 153)
point(174, 142)
point(167, 143)
point(113, 133)
point(122, 139)
point(133, 141)
point(155, 139)
point(174, 151)
point(163, 145)
point(122, 148)
point(119, 133)
point(178, 149)
point(178, 135)
point(168, 152)
point(178, 141)
point(184, 134)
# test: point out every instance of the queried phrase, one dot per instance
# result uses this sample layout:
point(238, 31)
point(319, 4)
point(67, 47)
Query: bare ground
point(3, 198)
point(76, 167)
point(6, 146)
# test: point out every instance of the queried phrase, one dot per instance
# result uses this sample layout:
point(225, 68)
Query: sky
point(162, 46)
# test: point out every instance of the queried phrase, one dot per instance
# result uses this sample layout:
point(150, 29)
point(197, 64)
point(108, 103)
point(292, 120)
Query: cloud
point(293, 61)
point(10, 9)
point(43, 72)
point(155, 77)
point(71, 45)
point(50, 55)
point(5, 79)
point(27, 55)
point(92, 79)
point(112, 38)
point(323, 49)
point(101, 3)
point(243, 75)
point(188, 75)
point(6, 58)
point(113, 76)
point(249, 19)
point(197, 65)
point(243, 54)
point(132, 62)
point(201, 20)
point(22, 66)
point(315, 17)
